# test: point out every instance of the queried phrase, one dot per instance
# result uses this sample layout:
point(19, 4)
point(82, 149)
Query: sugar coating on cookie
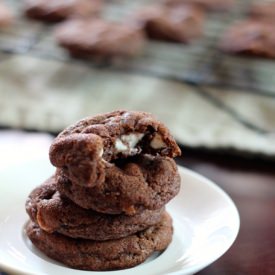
point(58, 10)
point(55, 213)
point(181, 23)
point(250, 37)
point(99, 38)
point(84, 150)
point(103, 255)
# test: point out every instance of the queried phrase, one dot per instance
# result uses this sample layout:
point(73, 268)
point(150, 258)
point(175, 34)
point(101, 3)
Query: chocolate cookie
point(89, 148)
point(6, 16)
point(143, 182)
point(263, 11)
point(250, 37)
point(99, 38)
point(211, 5)
point(54, 213)
point(182, 23)
point(58, 10)
point(103, 255)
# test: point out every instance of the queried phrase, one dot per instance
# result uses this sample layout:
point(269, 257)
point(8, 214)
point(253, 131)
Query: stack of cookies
point(104, 209)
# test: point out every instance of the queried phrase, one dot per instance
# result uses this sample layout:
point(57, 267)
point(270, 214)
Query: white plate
point(206, 223)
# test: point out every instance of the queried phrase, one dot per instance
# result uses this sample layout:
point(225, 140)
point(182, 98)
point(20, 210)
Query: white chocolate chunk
point(157, 142)
point(132, 139)
point(120, 147)
point(127, 143)
point(101, 152)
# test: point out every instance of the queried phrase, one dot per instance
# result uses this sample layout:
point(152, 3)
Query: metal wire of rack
point(200, 63)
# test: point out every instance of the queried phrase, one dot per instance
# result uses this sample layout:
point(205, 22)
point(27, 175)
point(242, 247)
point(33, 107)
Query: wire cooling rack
point(199, 63)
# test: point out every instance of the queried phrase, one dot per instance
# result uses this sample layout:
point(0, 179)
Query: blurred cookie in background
point(209, 5)
point(250, 37)
point(181, 24)
point(6, 16)
point(58, 10)
point(99, 38)
point(263, 11)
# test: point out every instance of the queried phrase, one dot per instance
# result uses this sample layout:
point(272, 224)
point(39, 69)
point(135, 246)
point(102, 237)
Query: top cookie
point(58, 10)
point(86, 148)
